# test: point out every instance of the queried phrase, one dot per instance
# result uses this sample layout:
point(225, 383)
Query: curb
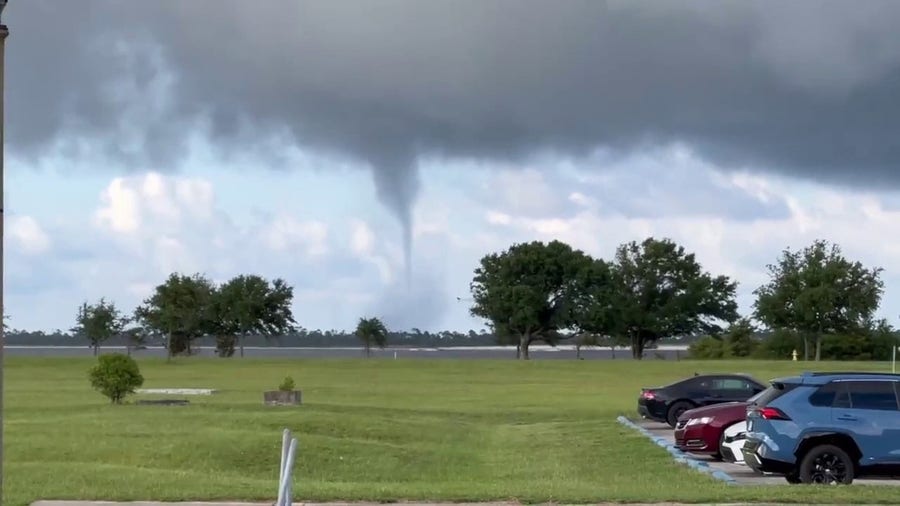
point(679, 456)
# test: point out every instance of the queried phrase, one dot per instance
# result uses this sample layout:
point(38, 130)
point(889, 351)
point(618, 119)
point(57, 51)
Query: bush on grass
point(115, 376)
point(287, 385)
point(707, 348)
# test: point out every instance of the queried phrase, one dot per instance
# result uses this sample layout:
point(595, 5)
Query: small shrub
point(225, 345)
point(739, 340)
point(115, 376)
point(287, 385)
point(707, 348)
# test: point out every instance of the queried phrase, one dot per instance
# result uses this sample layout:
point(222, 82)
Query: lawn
point(369, 429)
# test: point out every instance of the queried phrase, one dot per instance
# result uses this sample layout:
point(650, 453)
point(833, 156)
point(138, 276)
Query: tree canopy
point(530, 291)
point(817, 291)
point(662, 291)
point(249, 304)
point(180, 309)
point(371, 332)
point(99, 322)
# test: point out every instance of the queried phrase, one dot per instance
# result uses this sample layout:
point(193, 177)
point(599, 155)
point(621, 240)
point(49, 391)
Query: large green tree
point(251, 305)
point(593, 295)
point(529, 292)
point(662, 291)
point(817, 291)
point(372, 332)
point(181, 309)
point(99, 322)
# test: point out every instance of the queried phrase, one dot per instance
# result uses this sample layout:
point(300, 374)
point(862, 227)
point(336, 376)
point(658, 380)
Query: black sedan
point(667, 403)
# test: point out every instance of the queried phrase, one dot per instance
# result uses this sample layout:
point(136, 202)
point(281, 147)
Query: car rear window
point(775, 391)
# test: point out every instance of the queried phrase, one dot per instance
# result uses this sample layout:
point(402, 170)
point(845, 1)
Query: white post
point(894, 360)
point(285, 443)
point(284, 488)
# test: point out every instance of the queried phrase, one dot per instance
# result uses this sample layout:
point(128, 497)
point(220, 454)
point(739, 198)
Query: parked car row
point(812, 428)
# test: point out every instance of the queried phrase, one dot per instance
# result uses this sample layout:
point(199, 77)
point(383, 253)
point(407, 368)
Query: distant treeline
point(302, 338)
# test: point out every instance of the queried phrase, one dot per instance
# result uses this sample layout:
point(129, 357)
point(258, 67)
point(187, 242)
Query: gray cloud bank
point(806, 88)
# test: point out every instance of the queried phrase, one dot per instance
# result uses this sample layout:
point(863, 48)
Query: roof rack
point(850, 373)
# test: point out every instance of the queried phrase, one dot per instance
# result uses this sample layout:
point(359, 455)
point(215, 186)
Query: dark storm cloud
point(807, 88)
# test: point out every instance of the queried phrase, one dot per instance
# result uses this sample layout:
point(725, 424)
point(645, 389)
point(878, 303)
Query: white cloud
point(362, 239)
point(28, 234)
point(287, 233)
point(121, 211)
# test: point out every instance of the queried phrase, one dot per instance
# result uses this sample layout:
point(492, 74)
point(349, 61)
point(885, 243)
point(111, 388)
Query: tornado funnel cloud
point(397, 186)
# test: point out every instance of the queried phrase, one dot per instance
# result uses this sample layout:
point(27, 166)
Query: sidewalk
point(158, 503)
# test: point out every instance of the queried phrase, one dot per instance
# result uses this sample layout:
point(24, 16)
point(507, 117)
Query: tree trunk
point(524, 341)
point(578, 351)
point(518, 350)
point(241, 344)
point(805, 347)
point(169, 347)
point(818, 347)
point(637, 347)
point(96, 348)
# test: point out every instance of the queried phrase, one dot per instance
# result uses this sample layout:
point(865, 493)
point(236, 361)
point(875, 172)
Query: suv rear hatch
point(760, 413)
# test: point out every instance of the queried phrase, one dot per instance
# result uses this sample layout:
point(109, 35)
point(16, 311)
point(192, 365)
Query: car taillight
point(648, 395)
point(772, 414)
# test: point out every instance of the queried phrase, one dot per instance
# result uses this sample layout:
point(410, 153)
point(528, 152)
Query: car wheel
point(675, 410)
point(792, 478)
point(827, 464)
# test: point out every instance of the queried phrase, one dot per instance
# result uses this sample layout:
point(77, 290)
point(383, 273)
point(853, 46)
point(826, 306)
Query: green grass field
point(368, 430)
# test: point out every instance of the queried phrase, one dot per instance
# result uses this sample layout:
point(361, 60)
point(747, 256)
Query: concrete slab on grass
point(176, 391)
point(741, 473)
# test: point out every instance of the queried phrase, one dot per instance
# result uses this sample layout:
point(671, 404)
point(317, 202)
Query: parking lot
point(741, 474)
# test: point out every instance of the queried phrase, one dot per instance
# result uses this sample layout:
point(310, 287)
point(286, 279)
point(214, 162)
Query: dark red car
point(704, 430)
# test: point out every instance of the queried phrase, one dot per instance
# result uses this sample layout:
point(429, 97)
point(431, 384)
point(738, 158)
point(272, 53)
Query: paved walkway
point(157, 503)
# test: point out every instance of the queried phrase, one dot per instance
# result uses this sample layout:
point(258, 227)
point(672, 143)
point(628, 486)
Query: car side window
point(875, 395)
point(731, 384)
point(826, 395)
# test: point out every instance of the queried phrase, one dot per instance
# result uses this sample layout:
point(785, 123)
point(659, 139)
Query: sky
point(371, 152)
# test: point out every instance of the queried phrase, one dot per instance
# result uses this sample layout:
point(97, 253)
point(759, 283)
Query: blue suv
point(826, 427)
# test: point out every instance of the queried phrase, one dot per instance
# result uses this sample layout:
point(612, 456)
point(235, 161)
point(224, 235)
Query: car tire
point(827, 464)
point(675, 410)
point(793, 478)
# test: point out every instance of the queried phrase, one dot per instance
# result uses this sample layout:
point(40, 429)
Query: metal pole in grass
point(285, 444)
point(284, 488)
point(3, 33)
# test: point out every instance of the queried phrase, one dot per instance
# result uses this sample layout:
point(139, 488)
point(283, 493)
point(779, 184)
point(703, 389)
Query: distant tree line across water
point(298, 338)
point(816, 303)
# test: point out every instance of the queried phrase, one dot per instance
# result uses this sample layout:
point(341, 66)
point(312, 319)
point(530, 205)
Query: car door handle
point(847, 418)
